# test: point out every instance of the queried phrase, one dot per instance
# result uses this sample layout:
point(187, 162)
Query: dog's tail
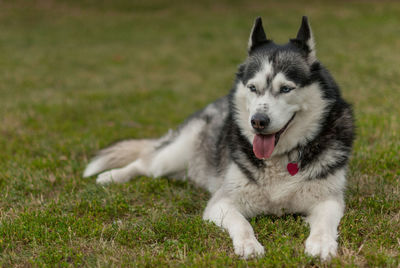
point(119, 155)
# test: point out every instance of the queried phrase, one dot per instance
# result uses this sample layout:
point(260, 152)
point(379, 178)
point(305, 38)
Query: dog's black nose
point(259, 121)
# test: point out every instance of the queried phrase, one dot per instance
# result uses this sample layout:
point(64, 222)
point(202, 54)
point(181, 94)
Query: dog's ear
point(257, 35)
point(305, 41)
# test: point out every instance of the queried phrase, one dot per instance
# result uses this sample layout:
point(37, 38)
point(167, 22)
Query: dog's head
point(276, 97)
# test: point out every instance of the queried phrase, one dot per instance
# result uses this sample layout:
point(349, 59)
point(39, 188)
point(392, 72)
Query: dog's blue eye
point(252, 88)
point(285, 89)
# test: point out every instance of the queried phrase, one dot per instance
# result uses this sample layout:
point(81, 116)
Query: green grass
point(78, 75)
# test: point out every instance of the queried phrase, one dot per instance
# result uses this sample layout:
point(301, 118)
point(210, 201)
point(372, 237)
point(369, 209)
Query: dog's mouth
point(264, 144)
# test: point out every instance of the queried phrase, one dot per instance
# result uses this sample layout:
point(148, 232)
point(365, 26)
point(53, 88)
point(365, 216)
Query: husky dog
point(278, 143)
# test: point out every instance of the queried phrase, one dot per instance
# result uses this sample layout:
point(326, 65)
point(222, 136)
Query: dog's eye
point(285, 89)
point(252, 88)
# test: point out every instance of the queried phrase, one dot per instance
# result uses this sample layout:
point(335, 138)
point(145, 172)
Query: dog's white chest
point(274, 192)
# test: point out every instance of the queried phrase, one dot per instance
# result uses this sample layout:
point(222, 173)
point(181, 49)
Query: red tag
point(293, 168)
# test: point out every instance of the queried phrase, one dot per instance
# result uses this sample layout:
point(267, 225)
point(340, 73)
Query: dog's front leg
point(222, 211)
point(324, 219)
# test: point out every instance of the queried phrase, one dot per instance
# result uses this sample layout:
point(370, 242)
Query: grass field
point(78, 75)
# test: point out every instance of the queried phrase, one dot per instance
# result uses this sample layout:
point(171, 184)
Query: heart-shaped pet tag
point(293, 168)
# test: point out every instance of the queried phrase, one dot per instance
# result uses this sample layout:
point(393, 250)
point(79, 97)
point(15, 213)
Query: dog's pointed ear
point(305, 40)
point(257, 35)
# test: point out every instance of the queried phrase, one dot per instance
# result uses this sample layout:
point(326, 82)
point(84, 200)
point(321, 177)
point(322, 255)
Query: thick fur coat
point(279, 142)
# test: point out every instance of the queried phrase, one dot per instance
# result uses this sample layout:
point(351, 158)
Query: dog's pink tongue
point(263, 145)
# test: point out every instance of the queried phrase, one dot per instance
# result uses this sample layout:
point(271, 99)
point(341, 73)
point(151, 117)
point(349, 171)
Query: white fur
point(250, 42)
point(306, 123)
point(243, 115)
point(280, 108)
point(223, 212)
point(267, 101)
point(324, 160)
point(260, 78)
point(312, 56)
point(122, 175)
point(281, 80)
point(234, 197)
point(278, 193)
point(324, 219)
point(120, 154)
point(183, 147)
point(160, 163)
point(94, 167)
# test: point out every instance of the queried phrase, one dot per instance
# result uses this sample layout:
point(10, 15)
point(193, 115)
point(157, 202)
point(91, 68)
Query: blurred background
point(78, 75)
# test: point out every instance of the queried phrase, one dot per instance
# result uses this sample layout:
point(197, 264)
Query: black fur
point(257, 36)
point(303, 36)
point(337, 129)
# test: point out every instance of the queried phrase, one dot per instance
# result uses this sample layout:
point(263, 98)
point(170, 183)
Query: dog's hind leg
point(170, 156)
point(119, 155)
point(124, 174)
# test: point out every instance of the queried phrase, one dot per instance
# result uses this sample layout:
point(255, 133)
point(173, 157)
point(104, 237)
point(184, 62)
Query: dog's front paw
point(248, 248)
point(323, 246)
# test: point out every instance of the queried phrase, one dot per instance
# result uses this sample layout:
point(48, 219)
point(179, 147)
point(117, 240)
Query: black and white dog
point(279, 142)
